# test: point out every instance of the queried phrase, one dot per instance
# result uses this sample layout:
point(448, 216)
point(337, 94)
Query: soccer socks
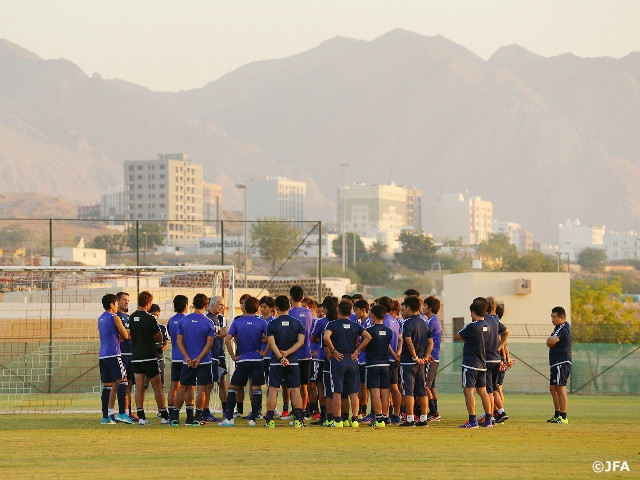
point(323, 412)
point(256, 402)
point(104, 398)
point(190, 409)
point(140, 414)
point(198, 414)
point(269, 415)
point(122, 397)
point(239, 408)
point(433, 406)
point(164, 413)
point(297, 414)
point(231, 402)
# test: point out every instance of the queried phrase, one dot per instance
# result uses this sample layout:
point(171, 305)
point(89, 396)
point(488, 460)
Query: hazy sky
point(182, 44)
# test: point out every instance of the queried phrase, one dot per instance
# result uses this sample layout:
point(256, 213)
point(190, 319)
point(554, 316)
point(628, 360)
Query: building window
point(161, 176)
point(139, 177)
point(139, 167)
point(131, 168)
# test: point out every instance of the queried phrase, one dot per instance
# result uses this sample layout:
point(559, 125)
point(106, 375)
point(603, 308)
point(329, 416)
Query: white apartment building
point(456, 215)
point(622, 246)
point(379, 211)
point(169, 188)
point(518, 236)
point(112, 204)
point(276, 197)
point(573, 237)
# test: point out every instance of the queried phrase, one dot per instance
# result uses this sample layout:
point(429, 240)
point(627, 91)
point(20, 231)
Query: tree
point(361, 250)
point(418, 250)
point(377, 249)
point(535, 261)
point(592, 259)
point(372, 272)
point(274, 240)
point(498, 252)
point(136, 240)
point(111, 243)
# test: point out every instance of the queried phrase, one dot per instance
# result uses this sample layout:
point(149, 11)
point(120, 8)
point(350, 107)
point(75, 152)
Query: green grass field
point(76, 446)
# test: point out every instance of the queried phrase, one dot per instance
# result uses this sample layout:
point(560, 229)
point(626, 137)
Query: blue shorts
point(176, 369)
point(196, 376)
point(377, 376)
point(559, 374)
point(328, 392)
point(492, 376)
point(363, 374)
point(472, 378)
point(244, 371)
point(500, 379)
point(126, 359)
point(412, 378)
point(112, 369)
point(345, 376)
point(288, 377)
point(305, 371)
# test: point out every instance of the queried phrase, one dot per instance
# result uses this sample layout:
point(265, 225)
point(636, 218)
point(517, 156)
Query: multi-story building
point(112, 204)
point(374, 211)
point(456, 215)
point(168, 189)
point(276, 197)
point(622, 246)
point(518, 236)
point(211, 207)
point(573, 237)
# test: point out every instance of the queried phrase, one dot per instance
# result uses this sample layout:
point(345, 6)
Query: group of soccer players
point(329, 359)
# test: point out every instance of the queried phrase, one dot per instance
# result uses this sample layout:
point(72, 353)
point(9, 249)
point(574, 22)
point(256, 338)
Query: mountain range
point(544, 138)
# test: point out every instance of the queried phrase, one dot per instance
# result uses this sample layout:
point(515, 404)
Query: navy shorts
point(126, 359)
point(394, 373)
point(430, 374)
point(326, 376)
point(492, 376)
point(316, 370)
point(288, 377)
point(147, 367)
point(473, 378)
point(266, 363)
point(363, 374)
point(176, 368)
point(196, 376)
point(305, 371)
point(377, 376)
point(112, 369)
point(559, 374)
point(412, 377)
point(500, 379)
point(244, 371)
point(345, 376)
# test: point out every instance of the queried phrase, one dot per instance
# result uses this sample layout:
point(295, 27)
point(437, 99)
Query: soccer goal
point(48, 327)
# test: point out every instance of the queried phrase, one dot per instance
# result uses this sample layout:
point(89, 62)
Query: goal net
point(49, 330)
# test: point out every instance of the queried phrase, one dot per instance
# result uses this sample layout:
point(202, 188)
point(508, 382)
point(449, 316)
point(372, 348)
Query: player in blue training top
point(145, 338)
point(474, 367)
point(180, 306)
point(112, 370)
point(247, 331)
point(302, 313)
point(341, 346)
point(285, 337)
point(195, 337)
point(125, 388)
point(415, 353)
point(494, 342)
point(559, 344)
point(395, 396)
point(377, 366)
point(323, 380)
point(431, 309)
point(361, 311)
point(218, 357)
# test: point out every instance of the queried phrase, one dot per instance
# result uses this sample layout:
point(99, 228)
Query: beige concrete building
point(457, 215)
point(527, 298)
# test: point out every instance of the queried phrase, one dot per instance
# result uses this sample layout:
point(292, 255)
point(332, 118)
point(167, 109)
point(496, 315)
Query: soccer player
point(112, 370)
point(302, 313)
point(394, 359)
point(180, 305)
point(361, 311)
point(218, 358)
point(125, 346)
point(195, 338)
point(415, 352)
point(495, 341)
point(145, 338)
point(431, 309)
point(248, 332)
point(474, 367)
point(323, 381)
point(340, 340)
point(559, 344)
point(155, 311)
point(377, 366)
point(285, 336)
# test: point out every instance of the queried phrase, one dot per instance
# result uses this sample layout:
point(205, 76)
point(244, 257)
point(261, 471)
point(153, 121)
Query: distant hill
point(36, 205)
point(544, 138)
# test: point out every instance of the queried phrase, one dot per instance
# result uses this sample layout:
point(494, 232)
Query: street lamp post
point(344, 213)
point(559, 253)
point(242, 186)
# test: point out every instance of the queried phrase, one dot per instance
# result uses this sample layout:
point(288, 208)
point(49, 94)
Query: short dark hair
point(478, 307)
point(200, 301)
point(386, 302)
point(433, 304)
point(330, 301)
point(332, 313)
point(268, 301)
point(357, 296)
point(363, 304)
point(559, 311)
point(345, 307)
point(251, 305)
point(500, 311)
point(411, 292)
point(119, 295)
point(108, 300)
point(154, 308)
point(282, 303)
point(296, 293)
point(180, 303)
point(413, 303)
point(484, 302)
point(244, 297)
point(144, 298)
point(378, 311)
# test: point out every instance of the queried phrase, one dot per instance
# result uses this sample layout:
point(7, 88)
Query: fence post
point(320, 289)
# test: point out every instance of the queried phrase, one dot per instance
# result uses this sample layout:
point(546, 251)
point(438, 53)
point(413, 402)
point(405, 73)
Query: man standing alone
point(559, 344)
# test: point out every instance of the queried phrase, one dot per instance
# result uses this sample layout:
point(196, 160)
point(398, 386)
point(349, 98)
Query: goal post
point(48, 326)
